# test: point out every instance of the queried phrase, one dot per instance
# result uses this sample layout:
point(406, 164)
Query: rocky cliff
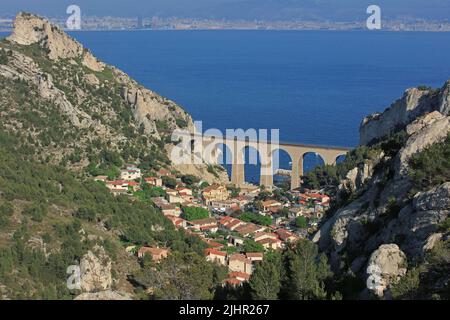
point(73, 106)
point(415, 103)
point(398, 198)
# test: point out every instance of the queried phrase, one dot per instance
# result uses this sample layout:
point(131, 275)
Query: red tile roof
point(232, 281)
point(268, 240)
point(239, 257)
point(117, 182)
point(238, 274)
point(203, 222)
point(215, 252)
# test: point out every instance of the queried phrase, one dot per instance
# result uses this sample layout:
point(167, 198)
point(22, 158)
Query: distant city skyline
point(268, 10)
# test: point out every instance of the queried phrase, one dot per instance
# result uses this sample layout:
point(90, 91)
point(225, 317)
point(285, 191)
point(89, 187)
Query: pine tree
point(265, 282)
point(307, 271)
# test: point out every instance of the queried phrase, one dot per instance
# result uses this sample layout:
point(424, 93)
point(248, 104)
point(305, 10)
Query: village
point(239, 225)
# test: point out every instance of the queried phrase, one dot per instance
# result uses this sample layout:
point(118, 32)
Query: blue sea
point(315, 86)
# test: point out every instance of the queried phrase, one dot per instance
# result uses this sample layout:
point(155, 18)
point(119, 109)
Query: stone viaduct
point(210, 146)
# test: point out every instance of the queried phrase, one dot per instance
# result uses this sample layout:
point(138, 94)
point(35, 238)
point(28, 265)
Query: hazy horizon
point(333, 10)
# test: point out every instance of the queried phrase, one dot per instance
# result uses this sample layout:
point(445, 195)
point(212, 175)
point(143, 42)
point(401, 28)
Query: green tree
point(301, 222)
point(182, 277)
point(169, 182)
point(431, 167)
point(256, 218)
point(85, 213)
point(190, 179)
point(265, 282)
point(234, 191)
point(307, 271)
point(195, 213)
point(408, 286)
point(252, 246)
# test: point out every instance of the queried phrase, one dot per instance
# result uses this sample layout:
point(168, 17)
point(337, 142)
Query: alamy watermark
point(74, 20)
point(204, 147)
point(374, 21)
point(374, 281)
point(74, 279)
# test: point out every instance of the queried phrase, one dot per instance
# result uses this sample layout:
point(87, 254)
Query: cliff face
point(387, 208)
point(54, 76)
point(414, 103)
point(29, 29)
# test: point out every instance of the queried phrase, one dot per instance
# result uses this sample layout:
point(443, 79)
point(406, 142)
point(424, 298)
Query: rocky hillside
point(392, 208)
point(72, 109)
point(65, 116)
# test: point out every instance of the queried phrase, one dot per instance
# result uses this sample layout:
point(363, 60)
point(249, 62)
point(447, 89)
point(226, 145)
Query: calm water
point(315, 86)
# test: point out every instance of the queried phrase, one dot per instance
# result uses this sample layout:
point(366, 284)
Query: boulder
point(95, 271)
point(386, 266)
point(91, 79)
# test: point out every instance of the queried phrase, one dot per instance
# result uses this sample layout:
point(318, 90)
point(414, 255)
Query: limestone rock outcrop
point(358, 176)
point(386, 266)
point(428, 135)
point(419, 220)
point(30, 29)
point(384, 211)
point(414, 103)
point(95, 271)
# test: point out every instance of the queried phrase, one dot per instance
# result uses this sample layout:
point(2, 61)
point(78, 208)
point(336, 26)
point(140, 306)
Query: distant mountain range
point(311, 10)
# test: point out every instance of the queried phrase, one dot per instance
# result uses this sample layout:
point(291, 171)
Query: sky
point(333, 10)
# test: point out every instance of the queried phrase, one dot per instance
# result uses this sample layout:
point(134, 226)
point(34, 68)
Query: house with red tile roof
point(239, 262)
point(177, 221)
point(248, 229)
point(173, 196)
point(135, 186)
point(239, 275)
point(153, 181)
point(224, 205)
point(117, 184)
point(286, 235)
point(214, 244)
point(207, 224)
point(216, 256)
point(184, 190)
point(163, 173)
point(271, 204)
point(230, 224)
point(264, 235)
point(215, 192)
point(242, 200)
point(130, 173)
point(270, 243)
point(156, 253)
point(255, 256)
point(170, 209)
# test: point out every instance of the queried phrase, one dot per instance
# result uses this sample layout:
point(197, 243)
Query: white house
point(130, 173)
